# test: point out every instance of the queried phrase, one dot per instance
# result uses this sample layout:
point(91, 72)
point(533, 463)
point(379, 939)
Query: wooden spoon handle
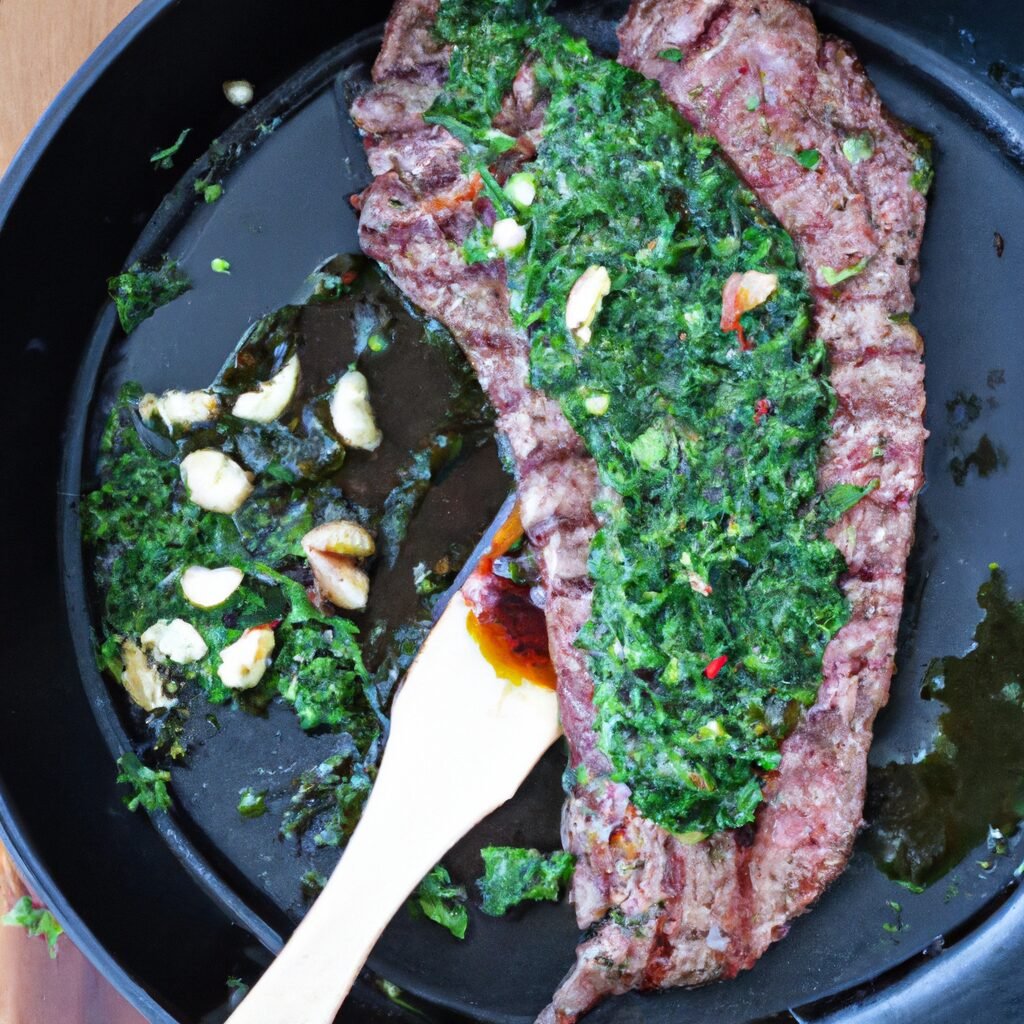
point(462, 741)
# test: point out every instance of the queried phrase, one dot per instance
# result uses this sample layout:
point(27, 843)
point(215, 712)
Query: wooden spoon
point(462, 741)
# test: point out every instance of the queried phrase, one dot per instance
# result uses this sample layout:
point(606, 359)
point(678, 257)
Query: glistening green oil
point(926, 816)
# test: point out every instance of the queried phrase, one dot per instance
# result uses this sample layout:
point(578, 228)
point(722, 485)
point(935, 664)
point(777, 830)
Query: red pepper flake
point(743, 69)
point(715, 666)
point(349, 276)
point(467, 191)
point(762, 407)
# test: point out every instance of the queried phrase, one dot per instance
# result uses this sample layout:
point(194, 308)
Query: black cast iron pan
point(169, 912)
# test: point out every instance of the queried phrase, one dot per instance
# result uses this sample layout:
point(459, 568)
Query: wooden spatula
point(462, 741)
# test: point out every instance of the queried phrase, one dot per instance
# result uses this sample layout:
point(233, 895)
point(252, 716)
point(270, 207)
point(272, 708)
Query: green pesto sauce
point(707, 491)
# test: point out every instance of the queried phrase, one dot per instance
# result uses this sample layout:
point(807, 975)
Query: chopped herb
point(312, 884)
point(139, 292)
point(37, 921)
point(443, 902)
point(843, 497)
point(252, 804)
point(673, 54)
point(210, 192)
point(911, 886)
point(513, 875)
point(220, 266)
point(328, 801)
point(834, 277)
point(809, 158)
point(237, 985)
point(163, 159)
point(376, 342)
point(923, 174)
point(860, 147)
point(149, 786)
point(641, 194)
point(753, 102)
point(397, 996)
point(896, 926)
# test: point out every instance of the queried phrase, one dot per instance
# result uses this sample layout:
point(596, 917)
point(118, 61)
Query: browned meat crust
point(415, 213)
point(690, 914)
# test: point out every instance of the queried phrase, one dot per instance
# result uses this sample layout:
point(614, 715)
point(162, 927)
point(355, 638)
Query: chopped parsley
point(139, 292)
point(441, 901)
point(312, 884)
point(210, 192)
point(513, 875)
point(809, 158)
point(163, 159)
point(923, 174)
point(694, 687)
point(673, 53)
point(252, 804)
point(220, 266)
point(149, 786)
point(842, 497)
point(398, 997)
point(329, 801)
point(37, 921)
point(859, 147)
point(144, 532)
point(834, 277)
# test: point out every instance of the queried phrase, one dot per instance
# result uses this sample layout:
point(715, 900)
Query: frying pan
point(170, 909)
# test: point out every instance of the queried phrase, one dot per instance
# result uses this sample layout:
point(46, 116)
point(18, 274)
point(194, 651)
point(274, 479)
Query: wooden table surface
point(42, 43)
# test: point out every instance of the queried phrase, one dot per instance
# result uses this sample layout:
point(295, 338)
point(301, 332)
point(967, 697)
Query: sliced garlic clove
point(340, 537)
point(271, 398)
point(239, 91)
point(754, 289)
point(243, 663)
point(207, 588)
point(214, 481)
point(521, 188)
point(352, 414)
point(175, 640)
point(508, 235)
point(180, 409)
point(340, 580)
point(584, 302)
point(141, 678)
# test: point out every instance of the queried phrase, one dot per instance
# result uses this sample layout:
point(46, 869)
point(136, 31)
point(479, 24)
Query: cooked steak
point(803, 125)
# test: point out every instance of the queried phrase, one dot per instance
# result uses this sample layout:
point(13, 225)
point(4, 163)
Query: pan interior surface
point(285, 210)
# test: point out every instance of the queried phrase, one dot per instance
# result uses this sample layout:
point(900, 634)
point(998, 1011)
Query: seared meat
point(666, 913)
point(414, 216)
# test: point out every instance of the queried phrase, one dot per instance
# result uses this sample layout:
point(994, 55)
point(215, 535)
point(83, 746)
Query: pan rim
point(1006, 923)
point(13, 182)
